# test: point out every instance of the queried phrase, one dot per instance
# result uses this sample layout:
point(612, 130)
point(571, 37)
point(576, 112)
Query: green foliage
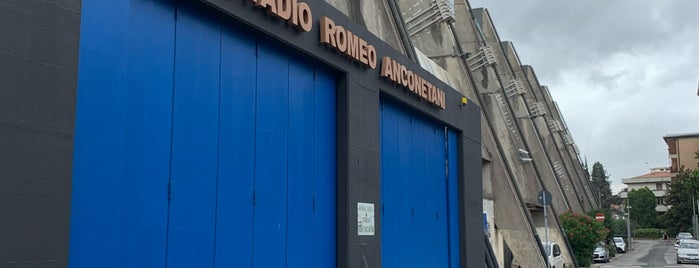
point(653, 233)
point(583, 234)
point(618, 228)
point(643, 204)
point(679, 217)
point(611, 248)
point(600, 184)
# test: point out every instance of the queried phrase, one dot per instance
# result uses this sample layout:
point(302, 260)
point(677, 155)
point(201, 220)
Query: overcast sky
point(624, 73)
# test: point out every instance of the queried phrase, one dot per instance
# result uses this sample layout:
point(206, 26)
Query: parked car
point(688, 251)
point(619, 244)
point(601, 254)
point(553, 251)
point(684, 235)
point(680, 237)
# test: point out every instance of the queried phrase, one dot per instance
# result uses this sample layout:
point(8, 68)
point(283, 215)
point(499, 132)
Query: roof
point(681, 135)
point(655, 176)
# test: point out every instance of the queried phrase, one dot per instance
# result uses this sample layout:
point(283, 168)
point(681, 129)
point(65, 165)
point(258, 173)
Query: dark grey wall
point(38, 72)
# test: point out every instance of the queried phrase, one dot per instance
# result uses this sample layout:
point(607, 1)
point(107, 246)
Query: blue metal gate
point(419, 195)
point(198, 145)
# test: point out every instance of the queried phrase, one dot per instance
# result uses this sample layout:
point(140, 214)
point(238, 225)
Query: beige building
point(658, 181)
point(682, 150)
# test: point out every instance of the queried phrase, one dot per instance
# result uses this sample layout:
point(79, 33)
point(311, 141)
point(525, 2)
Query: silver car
point(683, 235)
point(688, 251)
point(601, 254)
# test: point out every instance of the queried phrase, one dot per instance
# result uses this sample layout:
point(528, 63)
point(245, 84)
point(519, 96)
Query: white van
point(554, 254)
point(619, 243)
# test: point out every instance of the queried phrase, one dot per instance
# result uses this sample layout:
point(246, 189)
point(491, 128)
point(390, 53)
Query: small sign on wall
point(365, 218)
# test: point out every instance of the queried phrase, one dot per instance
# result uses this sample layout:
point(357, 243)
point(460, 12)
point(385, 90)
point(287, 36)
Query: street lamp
point(628, 225)
point(695, 227)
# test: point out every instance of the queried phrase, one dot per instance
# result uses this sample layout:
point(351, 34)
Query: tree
point(615, 199)
point(583, 234)
point(601, 185)
point(642, 202)
point(685, 185)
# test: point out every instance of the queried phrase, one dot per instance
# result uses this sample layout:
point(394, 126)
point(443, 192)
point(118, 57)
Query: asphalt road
point(646, 253)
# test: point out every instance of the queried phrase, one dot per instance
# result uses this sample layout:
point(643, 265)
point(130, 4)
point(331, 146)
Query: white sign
point(365, 218)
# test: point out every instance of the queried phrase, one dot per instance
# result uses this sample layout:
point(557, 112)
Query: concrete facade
point(527, 147)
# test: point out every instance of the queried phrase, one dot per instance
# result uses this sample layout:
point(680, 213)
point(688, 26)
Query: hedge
point(648, 233)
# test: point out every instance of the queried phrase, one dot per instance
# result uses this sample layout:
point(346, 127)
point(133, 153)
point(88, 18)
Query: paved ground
point(646, 253)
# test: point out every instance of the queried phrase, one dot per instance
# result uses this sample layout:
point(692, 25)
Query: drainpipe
point(402, 32)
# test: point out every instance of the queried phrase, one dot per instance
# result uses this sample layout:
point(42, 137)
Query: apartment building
point(657, 180)
point(682, 150)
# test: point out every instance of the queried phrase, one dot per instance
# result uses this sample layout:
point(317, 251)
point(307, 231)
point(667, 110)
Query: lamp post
point(694, 217)
point(628, 225)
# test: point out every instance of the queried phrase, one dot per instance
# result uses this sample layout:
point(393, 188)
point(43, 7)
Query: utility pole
point(628, 224)
point(544, 198)
point(694, 217)
point(546, 231)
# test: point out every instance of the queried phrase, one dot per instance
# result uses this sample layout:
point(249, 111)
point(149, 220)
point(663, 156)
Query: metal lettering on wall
point(399, 75)
point(354, 47)
point(349, 44)
point(296, 13)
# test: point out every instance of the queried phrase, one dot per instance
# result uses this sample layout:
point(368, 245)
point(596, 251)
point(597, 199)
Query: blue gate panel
point(325, 171)
point(124, 99)
point(453, 205)
point(194, 141)
point(416, 195)
point(148, 115)
point(197, 146)
point(416, 189)
point(389, 148)
point(99, 140)
point(300, 169)
point(269, 248)
point(390, 195)
point(439, 235)
point(236, 151)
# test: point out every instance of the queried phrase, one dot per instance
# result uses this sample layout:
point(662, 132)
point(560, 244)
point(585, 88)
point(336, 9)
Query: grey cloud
point(581, 32)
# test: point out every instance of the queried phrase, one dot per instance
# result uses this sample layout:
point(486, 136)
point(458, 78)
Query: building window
point(658, 186)
point(672, 149)
point(659, 201)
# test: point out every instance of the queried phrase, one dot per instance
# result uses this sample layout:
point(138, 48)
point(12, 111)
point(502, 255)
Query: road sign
point(544, 198)
point(599, 217)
